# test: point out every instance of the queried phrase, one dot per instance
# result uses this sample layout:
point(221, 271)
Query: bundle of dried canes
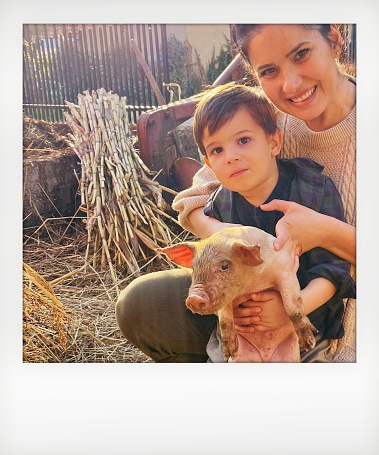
point(123, 203)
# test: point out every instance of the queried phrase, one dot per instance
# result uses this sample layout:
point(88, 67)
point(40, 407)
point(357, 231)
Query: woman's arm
point(339, 239)
point(190, 204)
point(204, 226)
point(204, 183)
point(308, 229)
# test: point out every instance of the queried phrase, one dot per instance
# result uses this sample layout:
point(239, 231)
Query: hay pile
point(39, 135)
point(44, 318)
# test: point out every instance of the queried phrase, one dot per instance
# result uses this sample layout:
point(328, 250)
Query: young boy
point(235, 130)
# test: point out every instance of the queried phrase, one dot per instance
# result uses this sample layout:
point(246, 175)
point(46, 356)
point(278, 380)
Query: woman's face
point(296, 69)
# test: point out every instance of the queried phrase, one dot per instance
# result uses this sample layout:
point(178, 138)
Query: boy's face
point(243, 156)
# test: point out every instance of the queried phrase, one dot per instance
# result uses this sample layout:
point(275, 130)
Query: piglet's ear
point(181, 253)
point(248, 254)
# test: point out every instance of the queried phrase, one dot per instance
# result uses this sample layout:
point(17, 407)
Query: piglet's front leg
point(290, 292)
point(228, 333)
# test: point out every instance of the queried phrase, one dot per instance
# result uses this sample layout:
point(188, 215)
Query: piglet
point(241, 260)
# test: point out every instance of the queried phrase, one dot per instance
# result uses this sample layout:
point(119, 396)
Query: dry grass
point(69, 308)
point(43, 136)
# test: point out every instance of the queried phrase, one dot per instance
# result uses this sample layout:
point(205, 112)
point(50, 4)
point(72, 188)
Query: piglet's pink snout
point(198, 302)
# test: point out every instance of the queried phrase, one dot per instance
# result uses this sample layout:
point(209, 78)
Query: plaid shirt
point(300, 180)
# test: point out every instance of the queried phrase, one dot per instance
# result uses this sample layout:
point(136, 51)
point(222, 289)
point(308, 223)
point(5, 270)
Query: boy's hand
point(259, 311)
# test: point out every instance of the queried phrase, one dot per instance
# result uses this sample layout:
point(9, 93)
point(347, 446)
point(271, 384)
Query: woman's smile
point(304, 97)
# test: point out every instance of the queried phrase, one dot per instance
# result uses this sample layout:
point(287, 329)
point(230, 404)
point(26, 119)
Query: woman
point(296, 66)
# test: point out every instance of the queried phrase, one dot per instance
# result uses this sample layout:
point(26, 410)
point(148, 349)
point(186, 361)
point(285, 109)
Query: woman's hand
point(309, 229)
point(260, 311)
point(298, 225)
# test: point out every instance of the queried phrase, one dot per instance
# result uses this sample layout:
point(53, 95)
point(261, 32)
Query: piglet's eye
point(224, 266)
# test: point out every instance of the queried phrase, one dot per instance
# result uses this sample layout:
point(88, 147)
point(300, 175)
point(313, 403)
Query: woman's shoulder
point(297, 135)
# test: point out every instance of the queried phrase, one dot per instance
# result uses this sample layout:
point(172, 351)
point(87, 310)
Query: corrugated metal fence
point(61, 61)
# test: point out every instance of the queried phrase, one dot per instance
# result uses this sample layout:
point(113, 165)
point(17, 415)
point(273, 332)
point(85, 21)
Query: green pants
point(152, 314)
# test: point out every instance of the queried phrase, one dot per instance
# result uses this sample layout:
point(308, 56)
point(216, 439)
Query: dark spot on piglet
point(224, 325)
point(296, 318)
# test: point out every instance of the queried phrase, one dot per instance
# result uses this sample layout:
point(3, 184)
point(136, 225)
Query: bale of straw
point(44, 333)
point(47, 324)
point(126, 212)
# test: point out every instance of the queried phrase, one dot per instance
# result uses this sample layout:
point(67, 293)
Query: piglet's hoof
point(306, 337)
